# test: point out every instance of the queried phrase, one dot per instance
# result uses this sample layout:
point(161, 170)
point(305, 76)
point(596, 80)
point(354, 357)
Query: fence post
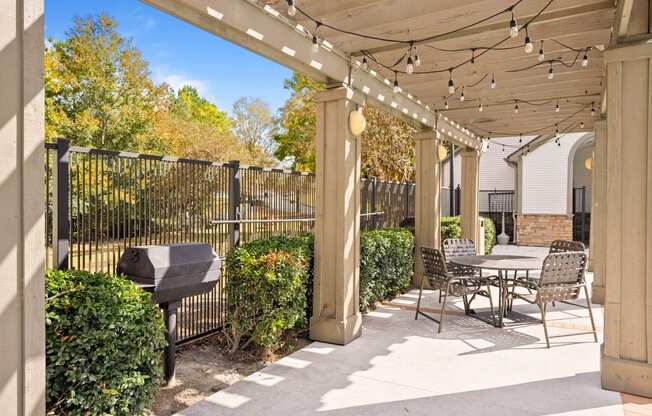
point(234, 203)
point(60, 197)
point(374, 183)
point(458, 194)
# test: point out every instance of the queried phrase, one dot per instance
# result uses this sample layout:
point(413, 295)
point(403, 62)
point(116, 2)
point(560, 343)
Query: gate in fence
point(495, 203)
point(99, 202)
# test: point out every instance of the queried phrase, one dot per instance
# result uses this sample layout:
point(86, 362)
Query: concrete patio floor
point(403, 367)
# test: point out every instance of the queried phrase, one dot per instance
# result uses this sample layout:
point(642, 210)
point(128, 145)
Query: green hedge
point(450, 228)
point(269, 282)
point(386, 264)
point(103, 345)
point(266, 290)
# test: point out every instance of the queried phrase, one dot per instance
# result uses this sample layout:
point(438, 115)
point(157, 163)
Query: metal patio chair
point(448, 283)
point(561, 280)
point(452, 247)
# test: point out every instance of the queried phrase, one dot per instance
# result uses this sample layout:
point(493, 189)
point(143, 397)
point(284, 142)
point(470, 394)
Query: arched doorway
point(580, 166)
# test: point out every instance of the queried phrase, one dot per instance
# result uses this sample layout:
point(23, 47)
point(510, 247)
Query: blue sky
point(179, 53)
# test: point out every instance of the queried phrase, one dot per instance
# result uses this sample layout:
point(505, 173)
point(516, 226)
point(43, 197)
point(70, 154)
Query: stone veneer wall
point(543, 229)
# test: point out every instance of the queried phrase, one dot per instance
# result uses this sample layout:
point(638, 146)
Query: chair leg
point(443, 308)
point(416, 315)
point(588, 305)
point(543, 321)
point(491, 303)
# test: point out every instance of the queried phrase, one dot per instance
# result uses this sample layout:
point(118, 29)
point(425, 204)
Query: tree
point(189, 105)
point(98, 89)
point(296, 140)
point(387, 144)
point(253, 124)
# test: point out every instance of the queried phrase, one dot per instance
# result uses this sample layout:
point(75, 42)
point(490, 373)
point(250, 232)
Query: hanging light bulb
point(528, 43)
point(516, 108)
point(365, 64)
point(396, 87)
point(480, 107)
point(409, 68)
point(315, 44)
point(585, 60)
point(556, 131)
point(513, 27)
point(472, 55)
point(557, 109)
point(503, 148)
point(446, 104)
point(451, 85)
point(493, 81)
point(592, 110)
point(417, 60)
point(292, 9)
point(581, 124)
point(551, 72)
point(520, 137)
point(462, 95)
point(542, 56)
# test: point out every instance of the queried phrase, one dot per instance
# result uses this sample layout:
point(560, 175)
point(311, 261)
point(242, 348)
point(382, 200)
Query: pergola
point(611, 95)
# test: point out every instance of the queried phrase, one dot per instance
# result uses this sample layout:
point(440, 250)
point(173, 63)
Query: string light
point(365, 64)
point(542, 56)
point(446, 104)
point(513, 27)
point(315, 41)
point(516, 108)
point(528, 43)
point(581, 124)
point(551, 72)
point(585, 60)
point(451, 85)
point(396, 87)
point(417, 60)
point(520, 137)
point(592, 109)
point(480, 107)
point(292, 9)
point(493, 81)
point(472, 55)
point(556, 131)
point(462, 95)
point(409, 68)
point(557, 109)
point(503, 148)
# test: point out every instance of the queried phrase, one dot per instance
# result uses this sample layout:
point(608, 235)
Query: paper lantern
point(588, 163)
point(357, 122)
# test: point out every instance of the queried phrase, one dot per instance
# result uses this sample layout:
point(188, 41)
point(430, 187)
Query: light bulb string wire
point(408, 41)
point(548, 62)
point(539, 130)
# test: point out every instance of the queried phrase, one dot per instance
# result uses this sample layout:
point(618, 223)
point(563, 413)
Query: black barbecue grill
point(171, 273)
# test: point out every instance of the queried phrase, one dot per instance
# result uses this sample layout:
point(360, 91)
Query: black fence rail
point(581, 215)
point(99, 202)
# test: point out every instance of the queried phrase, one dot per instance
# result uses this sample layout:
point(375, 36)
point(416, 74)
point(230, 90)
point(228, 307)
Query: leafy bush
point(103, 345)
point(450, 228)
point(386, 264)
point(266, 287)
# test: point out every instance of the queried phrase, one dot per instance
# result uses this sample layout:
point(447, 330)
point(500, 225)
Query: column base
point(626, 376)
point(597, 294)
point(334, 331)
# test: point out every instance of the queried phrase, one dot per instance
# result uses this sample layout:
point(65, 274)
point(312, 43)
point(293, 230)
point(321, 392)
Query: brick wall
point(543, 229)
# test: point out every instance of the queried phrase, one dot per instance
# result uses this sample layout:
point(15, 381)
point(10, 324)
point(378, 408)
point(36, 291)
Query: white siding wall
point(495, 173)
point(582, 176)
point(545, 178)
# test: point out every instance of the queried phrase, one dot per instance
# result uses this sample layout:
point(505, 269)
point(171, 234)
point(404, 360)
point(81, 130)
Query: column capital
point(426, 134)
point(469, 152)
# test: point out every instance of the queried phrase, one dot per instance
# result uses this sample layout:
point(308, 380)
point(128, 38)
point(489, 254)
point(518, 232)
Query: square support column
point(336, 312)
point(626, 364)
point(427, 206)
point(22, 209)
point(470, 199)
point(598, 246)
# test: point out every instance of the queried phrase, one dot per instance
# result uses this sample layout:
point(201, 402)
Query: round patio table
point(503, 264)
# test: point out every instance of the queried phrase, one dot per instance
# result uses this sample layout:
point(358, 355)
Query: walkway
point(402, 367)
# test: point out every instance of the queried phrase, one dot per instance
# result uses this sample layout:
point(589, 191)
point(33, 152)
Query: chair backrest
point(453, 247)
point(562, 276)
point(563, 246)
point(434, 267)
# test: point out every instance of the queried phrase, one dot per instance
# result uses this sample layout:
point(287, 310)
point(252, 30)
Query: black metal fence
point(499, 206)
point(581, 215)
point(99, 202)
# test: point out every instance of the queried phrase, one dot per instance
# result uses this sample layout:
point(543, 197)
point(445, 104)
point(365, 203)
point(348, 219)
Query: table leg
point(501, 298)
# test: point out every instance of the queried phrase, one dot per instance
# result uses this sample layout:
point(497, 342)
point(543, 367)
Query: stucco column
point(336, 315)
point(22, 205)
point(627, 349)
point(597, 250)
point(427, 206)
point(469, 200)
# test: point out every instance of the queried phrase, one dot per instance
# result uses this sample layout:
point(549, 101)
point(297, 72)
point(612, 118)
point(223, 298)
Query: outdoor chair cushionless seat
point(561, 280)
point(452, 247)
point(435, 270)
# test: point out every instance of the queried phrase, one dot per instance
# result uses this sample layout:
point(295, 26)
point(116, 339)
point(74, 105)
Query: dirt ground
point(204, 368)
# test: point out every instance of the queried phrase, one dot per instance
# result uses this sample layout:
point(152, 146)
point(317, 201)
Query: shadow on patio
point(401, 366)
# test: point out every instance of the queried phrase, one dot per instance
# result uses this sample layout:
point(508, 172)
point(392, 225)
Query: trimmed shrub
point(266, 290)
point(450, 228)
point(386, 264)
point(104, 339)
